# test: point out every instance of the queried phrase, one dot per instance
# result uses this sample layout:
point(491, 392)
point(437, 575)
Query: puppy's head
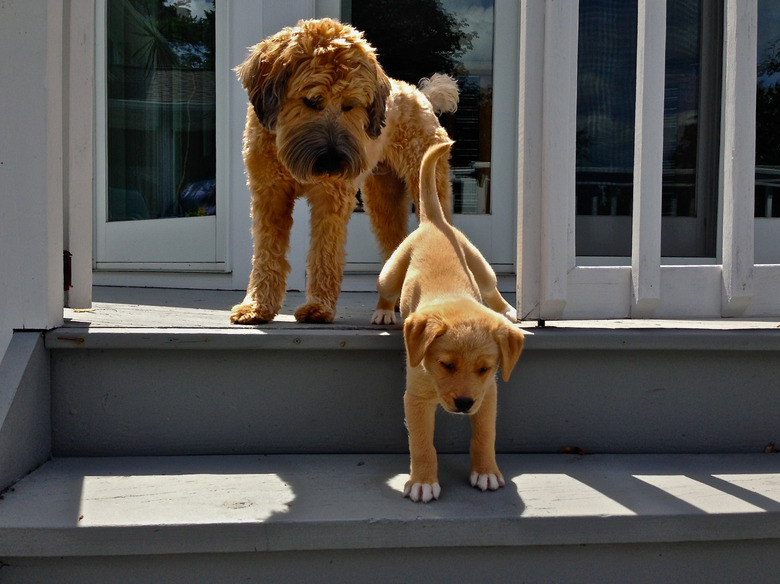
point(461, 345)
point(319, 86)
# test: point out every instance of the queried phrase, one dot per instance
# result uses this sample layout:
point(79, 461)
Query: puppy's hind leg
point(390, 283)
point(486, 280)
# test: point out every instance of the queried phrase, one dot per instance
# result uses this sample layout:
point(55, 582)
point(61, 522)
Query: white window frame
point(143, 245)
point(553, 283)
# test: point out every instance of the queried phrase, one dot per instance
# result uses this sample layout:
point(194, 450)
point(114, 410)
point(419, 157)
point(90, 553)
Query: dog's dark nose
point(463, 404)
point(330, 162)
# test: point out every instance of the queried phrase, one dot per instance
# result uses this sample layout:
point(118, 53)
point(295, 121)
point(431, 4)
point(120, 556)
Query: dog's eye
point(448, 366)
point(483, 370)
point(347, 108)
point(312, 104)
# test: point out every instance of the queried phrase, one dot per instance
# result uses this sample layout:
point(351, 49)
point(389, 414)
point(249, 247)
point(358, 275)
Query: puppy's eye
point(482, 370)
point(347, 108)
point(448, 366)
point(315, 105)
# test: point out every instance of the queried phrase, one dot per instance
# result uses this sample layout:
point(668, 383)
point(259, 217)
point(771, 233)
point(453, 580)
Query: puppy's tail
point(430, 207)
point(441, 91)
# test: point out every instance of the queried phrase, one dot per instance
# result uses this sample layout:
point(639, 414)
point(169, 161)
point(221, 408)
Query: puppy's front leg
point(423, 483)
point(331, 207)
point(271, 223)
point(484, 470)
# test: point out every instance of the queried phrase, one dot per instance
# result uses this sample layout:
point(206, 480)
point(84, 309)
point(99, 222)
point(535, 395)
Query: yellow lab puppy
point(454, 343)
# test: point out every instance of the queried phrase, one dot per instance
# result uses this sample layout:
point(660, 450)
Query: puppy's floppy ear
point(510, 345)
point(378, 107)
point(419, 332)
point(265, 80)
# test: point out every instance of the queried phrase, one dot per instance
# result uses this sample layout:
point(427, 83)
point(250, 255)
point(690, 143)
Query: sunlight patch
point(559, 495)
point(766, 485)
point(398, 482)
point(699, 495)
point(182, 499)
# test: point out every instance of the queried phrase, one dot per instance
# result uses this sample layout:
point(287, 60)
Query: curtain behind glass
point(161, 146)
point(768, 110)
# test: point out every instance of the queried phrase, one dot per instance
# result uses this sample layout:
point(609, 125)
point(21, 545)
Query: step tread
point(154, 505)
point(133, 318)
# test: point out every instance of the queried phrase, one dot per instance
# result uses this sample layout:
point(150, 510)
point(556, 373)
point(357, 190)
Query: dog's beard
point(313, 151)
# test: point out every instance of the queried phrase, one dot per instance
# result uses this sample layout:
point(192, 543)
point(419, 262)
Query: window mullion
point(648, 157)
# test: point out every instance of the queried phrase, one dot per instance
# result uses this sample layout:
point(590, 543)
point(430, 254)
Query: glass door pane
point(161, 110)
point(606, 96)
point(767, 210)
point(417, 39)
point(476, 42)
point(159, 134)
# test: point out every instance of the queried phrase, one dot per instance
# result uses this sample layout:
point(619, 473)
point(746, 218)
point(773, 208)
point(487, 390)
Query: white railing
point(553, 283)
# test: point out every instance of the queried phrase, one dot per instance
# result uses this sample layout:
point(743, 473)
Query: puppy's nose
point(463, 404)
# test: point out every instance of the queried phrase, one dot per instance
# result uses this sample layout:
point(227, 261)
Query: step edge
point(64, 338)
point(416, 526)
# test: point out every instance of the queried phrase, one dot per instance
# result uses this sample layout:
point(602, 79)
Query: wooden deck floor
point(118, 307)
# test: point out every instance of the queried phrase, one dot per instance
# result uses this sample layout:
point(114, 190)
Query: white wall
point(30, 166)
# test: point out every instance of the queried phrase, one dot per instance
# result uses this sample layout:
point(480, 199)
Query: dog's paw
point(314, 312)
point(250, 314)
point(383, 317)
point(486, 481)
point(422, 491)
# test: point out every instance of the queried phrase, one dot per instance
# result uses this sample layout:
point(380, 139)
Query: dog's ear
point(510, 345)
point(378, 107)
point(420, 330)
point(265, 80)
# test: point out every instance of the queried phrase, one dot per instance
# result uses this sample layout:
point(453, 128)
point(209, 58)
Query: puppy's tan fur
point(454, 343)
point(323, 120)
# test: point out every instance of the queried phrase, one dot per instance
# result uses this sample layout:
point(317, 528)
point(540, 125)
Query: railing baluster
point(559, 124)
point(738, 167)
point(648, 158)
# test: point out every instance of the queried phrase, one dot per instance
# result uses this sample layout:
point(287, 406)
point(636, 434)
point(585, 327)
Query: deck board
point(126, 307)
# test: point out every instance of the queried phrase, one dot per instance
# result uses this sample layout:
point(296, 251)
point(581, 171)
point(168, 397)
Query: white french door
point(159, 88)
point(484, 129)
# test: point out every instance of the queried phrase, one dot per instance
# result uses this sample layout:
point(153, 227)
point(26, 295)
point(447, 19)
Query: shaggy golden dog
point(454, 343)
point(323, 121)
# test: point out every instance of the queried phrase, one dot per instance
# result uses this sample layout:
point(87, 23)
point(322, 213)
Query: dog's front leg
point(423, 483)
point(331, 207)
point(271, 224)
point(484, 469)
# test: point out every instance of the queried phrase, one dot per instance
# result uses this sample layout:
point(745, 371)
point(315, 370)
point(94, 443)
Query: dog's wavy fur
point(324, 120)
point(454, 343)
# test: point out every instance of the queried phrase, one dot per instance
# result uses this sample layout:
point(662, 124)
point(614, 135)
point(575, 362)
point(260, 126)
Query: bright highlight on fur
point(324, 120)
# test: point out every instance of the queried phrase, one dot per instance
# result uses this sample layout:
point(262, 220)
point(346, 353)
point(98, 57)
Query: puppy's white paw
point(383, 317)
point(511, 313)
point(483, 482)
point(422, 491)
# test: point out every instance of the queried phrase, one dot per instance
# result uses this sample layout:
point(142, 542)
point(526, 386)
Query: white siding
point(31, 166)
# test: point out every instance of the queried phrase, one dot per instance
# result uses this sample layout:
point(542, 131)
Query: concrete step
point(129, 391)
point(342, 518)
